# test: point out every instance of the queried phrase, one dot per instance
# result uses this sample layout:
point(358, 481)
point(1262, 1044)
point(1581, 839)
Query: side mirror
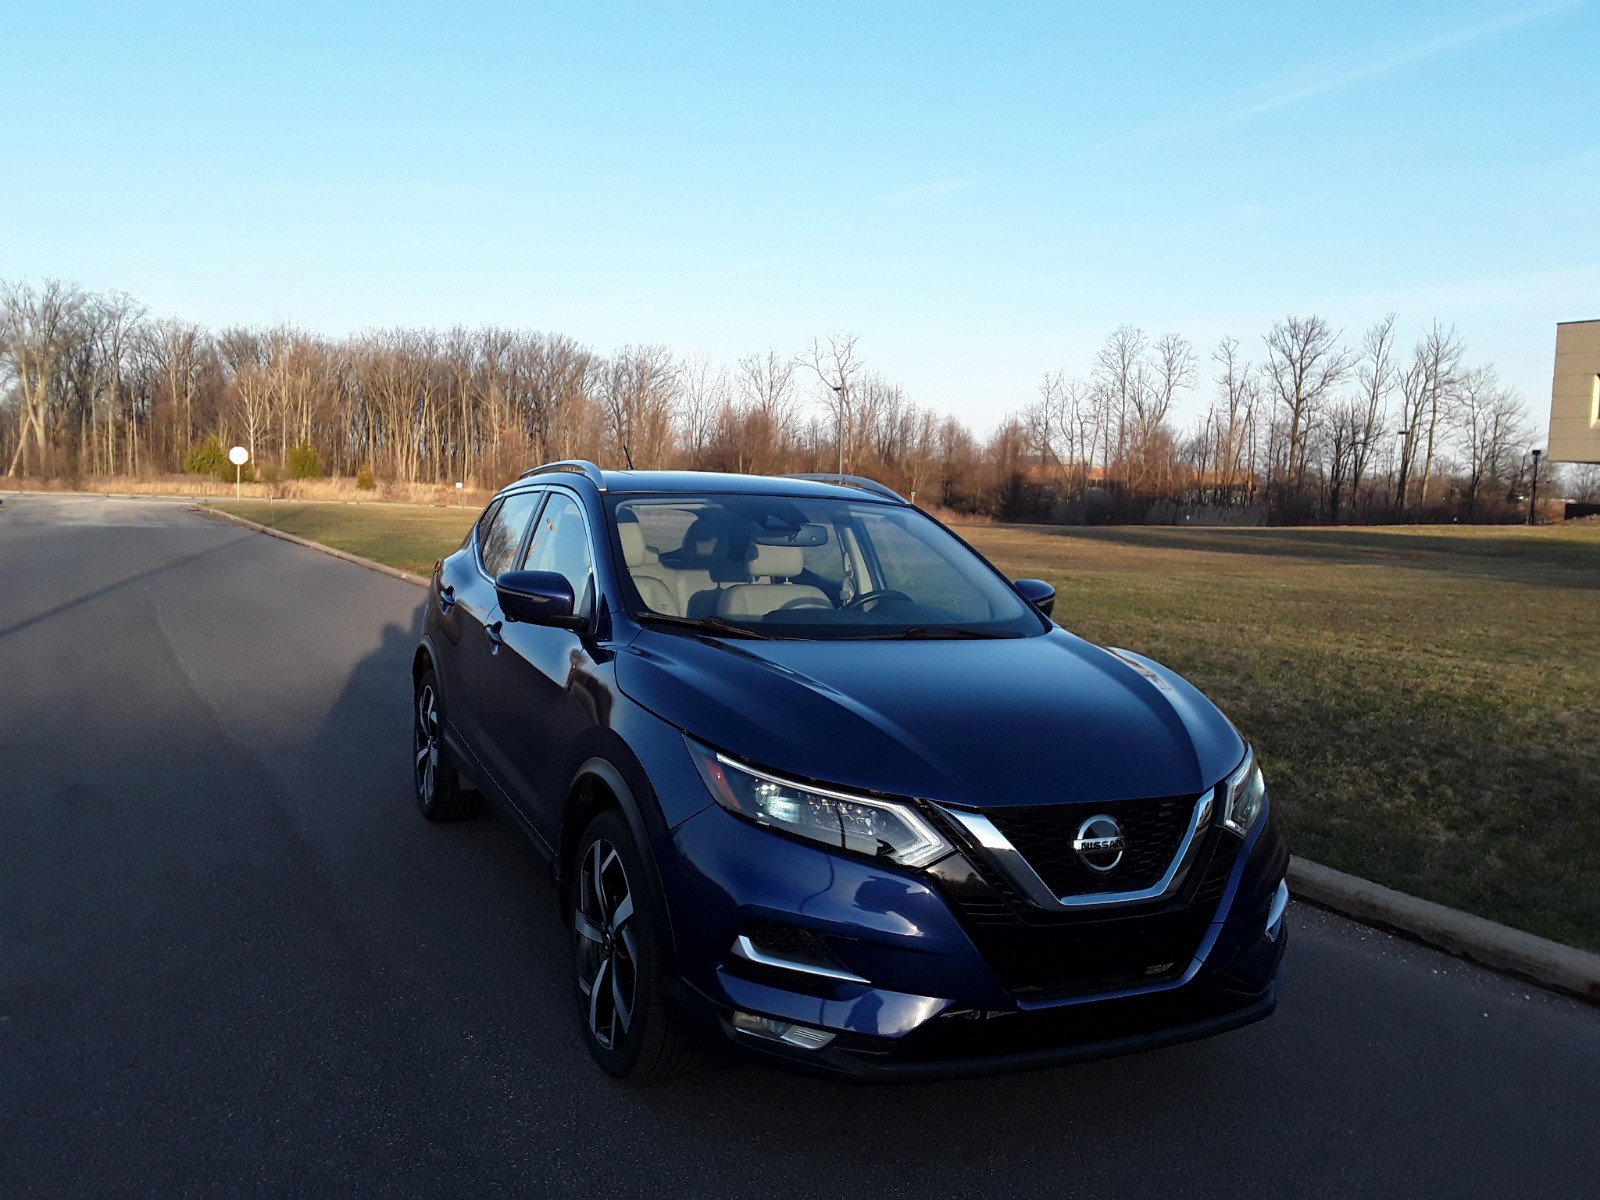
point(1037, 593)
point(538, 598)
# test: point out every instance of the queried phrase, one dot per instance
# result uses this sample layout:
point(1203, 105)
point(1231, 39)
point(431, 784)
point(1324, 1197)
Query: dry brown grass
point(337, 489)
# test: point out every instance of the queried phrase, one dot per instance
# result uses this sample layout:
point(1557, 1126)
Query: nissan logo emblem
point(1099, 843)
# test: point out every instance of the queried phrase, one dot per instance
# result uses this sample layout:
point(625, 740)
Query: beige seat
point(776, 566)
point(706, 563)
point(653, 588)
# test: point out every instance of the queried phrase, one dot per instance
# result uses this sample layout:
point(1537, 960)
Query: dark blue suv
point(816, 781)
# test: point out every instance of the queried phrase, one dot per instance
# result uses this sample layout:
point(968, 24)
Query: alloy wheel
point(425, 743)
point(608, 948)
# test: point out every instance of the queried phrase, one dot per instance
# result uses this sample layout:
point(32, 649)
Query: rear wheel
point(618, 937)
point(439, 791)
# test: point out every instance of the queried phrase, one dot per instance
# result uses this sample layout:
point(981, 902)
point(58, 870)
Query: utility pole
point(1533, 492)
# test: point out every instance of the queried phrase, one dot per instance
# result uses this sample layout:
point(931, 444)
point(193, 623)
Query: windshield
point(781, 566)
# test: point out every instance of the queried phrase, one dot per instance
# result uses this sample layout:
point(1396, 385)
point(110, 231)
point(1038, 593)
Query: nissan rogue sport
point(817, 782)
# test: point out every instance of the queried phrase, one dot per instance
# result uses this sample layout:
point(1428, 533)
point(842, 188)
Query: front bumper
point(958, 987)
point(996, 1045)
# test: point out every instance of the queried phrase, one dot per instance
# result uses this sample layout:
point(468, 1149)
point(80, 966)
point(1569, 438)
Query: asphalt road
point(234, 961)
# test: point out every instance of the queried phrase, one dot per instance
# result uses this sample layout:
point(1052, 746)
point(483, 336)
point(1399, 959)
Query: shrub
point(365, 480)
point(304, 462)
point(208, 458)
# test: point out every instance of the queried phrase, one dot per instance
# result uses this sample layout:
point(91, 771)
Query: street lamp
point(1533, 492)
point(838, 389)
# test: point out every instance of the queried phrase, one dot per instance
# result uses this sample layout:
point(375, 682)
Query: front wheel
point(618, 936)
point(439, 791)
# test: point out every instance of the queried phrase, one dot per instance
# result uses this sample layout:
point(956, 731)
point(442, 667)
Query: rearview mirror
point(538, 598)
point(1037, 593)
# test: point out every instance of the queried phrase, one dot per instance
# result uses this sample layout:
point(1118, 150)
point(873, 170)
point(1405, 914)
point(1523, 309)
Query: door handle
point(495, 640)
point(447, 599)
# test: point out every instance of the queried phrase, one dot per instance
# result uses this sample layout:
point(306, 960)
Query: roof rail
point(570, 466)
point(855, 481)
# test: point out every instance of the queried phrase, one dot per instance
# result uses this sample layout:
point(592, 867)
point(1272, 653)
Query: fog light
point(781, 1031)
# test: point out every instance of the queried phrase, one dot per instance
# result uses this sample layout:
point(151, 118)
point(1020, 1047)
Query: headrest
point(632, 535)
point(780, 562)
point(707, 535)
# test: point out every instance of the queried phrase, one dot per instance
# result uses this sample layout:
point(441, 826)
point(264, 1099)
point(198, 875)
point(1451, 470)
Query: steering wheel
point(877, 594)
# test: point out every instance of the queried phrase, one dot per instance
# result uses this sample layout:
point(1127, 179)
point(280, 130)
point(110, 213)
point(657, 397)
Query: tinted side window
point(485, 519)
point(499, 539)
point(561, 544)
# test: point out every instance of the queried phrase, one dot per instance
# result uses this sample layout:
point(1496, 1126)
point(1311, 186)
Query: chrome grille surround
point(1026, 880)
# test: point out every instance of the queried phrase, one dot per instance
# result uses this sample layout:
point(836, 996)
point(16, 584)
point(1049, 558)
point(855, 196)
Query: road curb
point(370, 564)
point(1487, 943)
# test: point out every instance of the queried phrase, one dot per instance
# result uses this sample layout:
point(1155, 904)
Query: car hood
point(982, 723)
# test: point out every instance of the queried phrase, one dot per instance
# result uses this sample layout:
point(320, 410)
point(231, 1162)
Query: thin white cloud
point(927, 191)
point(1322, 83)
point(1220, 112)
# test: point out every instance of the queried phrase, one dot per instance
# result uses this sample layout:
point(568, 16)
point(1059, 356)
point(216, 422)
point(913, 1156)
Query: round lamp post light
point(238, 456)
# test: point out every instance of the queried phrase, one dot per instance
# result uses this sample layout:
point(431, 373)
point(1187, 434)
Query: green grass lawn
point(1426, 702)
point(409, 536)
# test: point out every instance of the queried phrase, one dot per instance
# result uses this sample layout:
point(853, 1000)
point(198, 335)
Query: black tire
point(627, 1029)
point(438, 788)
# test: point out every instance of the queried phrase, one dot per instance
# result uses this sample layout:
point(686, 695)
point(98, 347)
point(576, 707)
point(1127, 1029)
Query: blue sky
point(980, 191)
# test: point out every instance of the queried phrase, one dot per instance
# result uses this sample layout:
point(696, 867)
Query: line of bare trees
point(1307, 428)
point(1311, 428)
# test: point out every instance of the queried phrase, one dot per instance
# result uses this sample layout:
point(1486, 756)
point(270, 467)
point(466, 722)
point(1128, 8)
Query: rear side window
point(481, 526)
point(501, 535)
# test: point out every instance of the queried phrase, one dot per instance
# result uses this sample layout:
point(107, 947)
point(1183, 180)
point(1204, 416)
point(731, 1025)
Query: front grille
point(1076, 958)
point(1047, 955)
point(1043, 834)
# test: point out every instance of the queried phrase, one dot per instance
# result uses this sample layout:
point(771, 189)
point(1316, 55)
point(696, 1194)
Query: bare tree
point(1492, 428)
point(1345, 435)
point(1171, 371)
point(1304, 362)
point(638, 392)
point(835, 362)
point(765, 384)
point(1120, 376)
point(181, 352)
point(1233, 416)
point(705, 392)
point(36, 329)
point(1378, 375)
point(1439, 355)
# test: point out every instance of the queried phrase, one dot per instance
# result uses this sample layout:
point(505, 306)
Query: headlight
point(863, 824)
point(1245, 796)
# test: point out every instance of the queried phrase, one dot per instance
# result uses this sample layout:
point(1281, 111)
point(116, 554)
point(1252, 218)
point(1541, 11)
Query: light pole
point(838, 390)
point(1533, 492)
point(1401, 471)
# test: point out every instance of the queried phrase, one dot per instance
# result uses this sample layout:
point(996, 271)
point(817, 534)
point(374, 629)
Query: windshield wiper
point(931, 632)
point(718, 625)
